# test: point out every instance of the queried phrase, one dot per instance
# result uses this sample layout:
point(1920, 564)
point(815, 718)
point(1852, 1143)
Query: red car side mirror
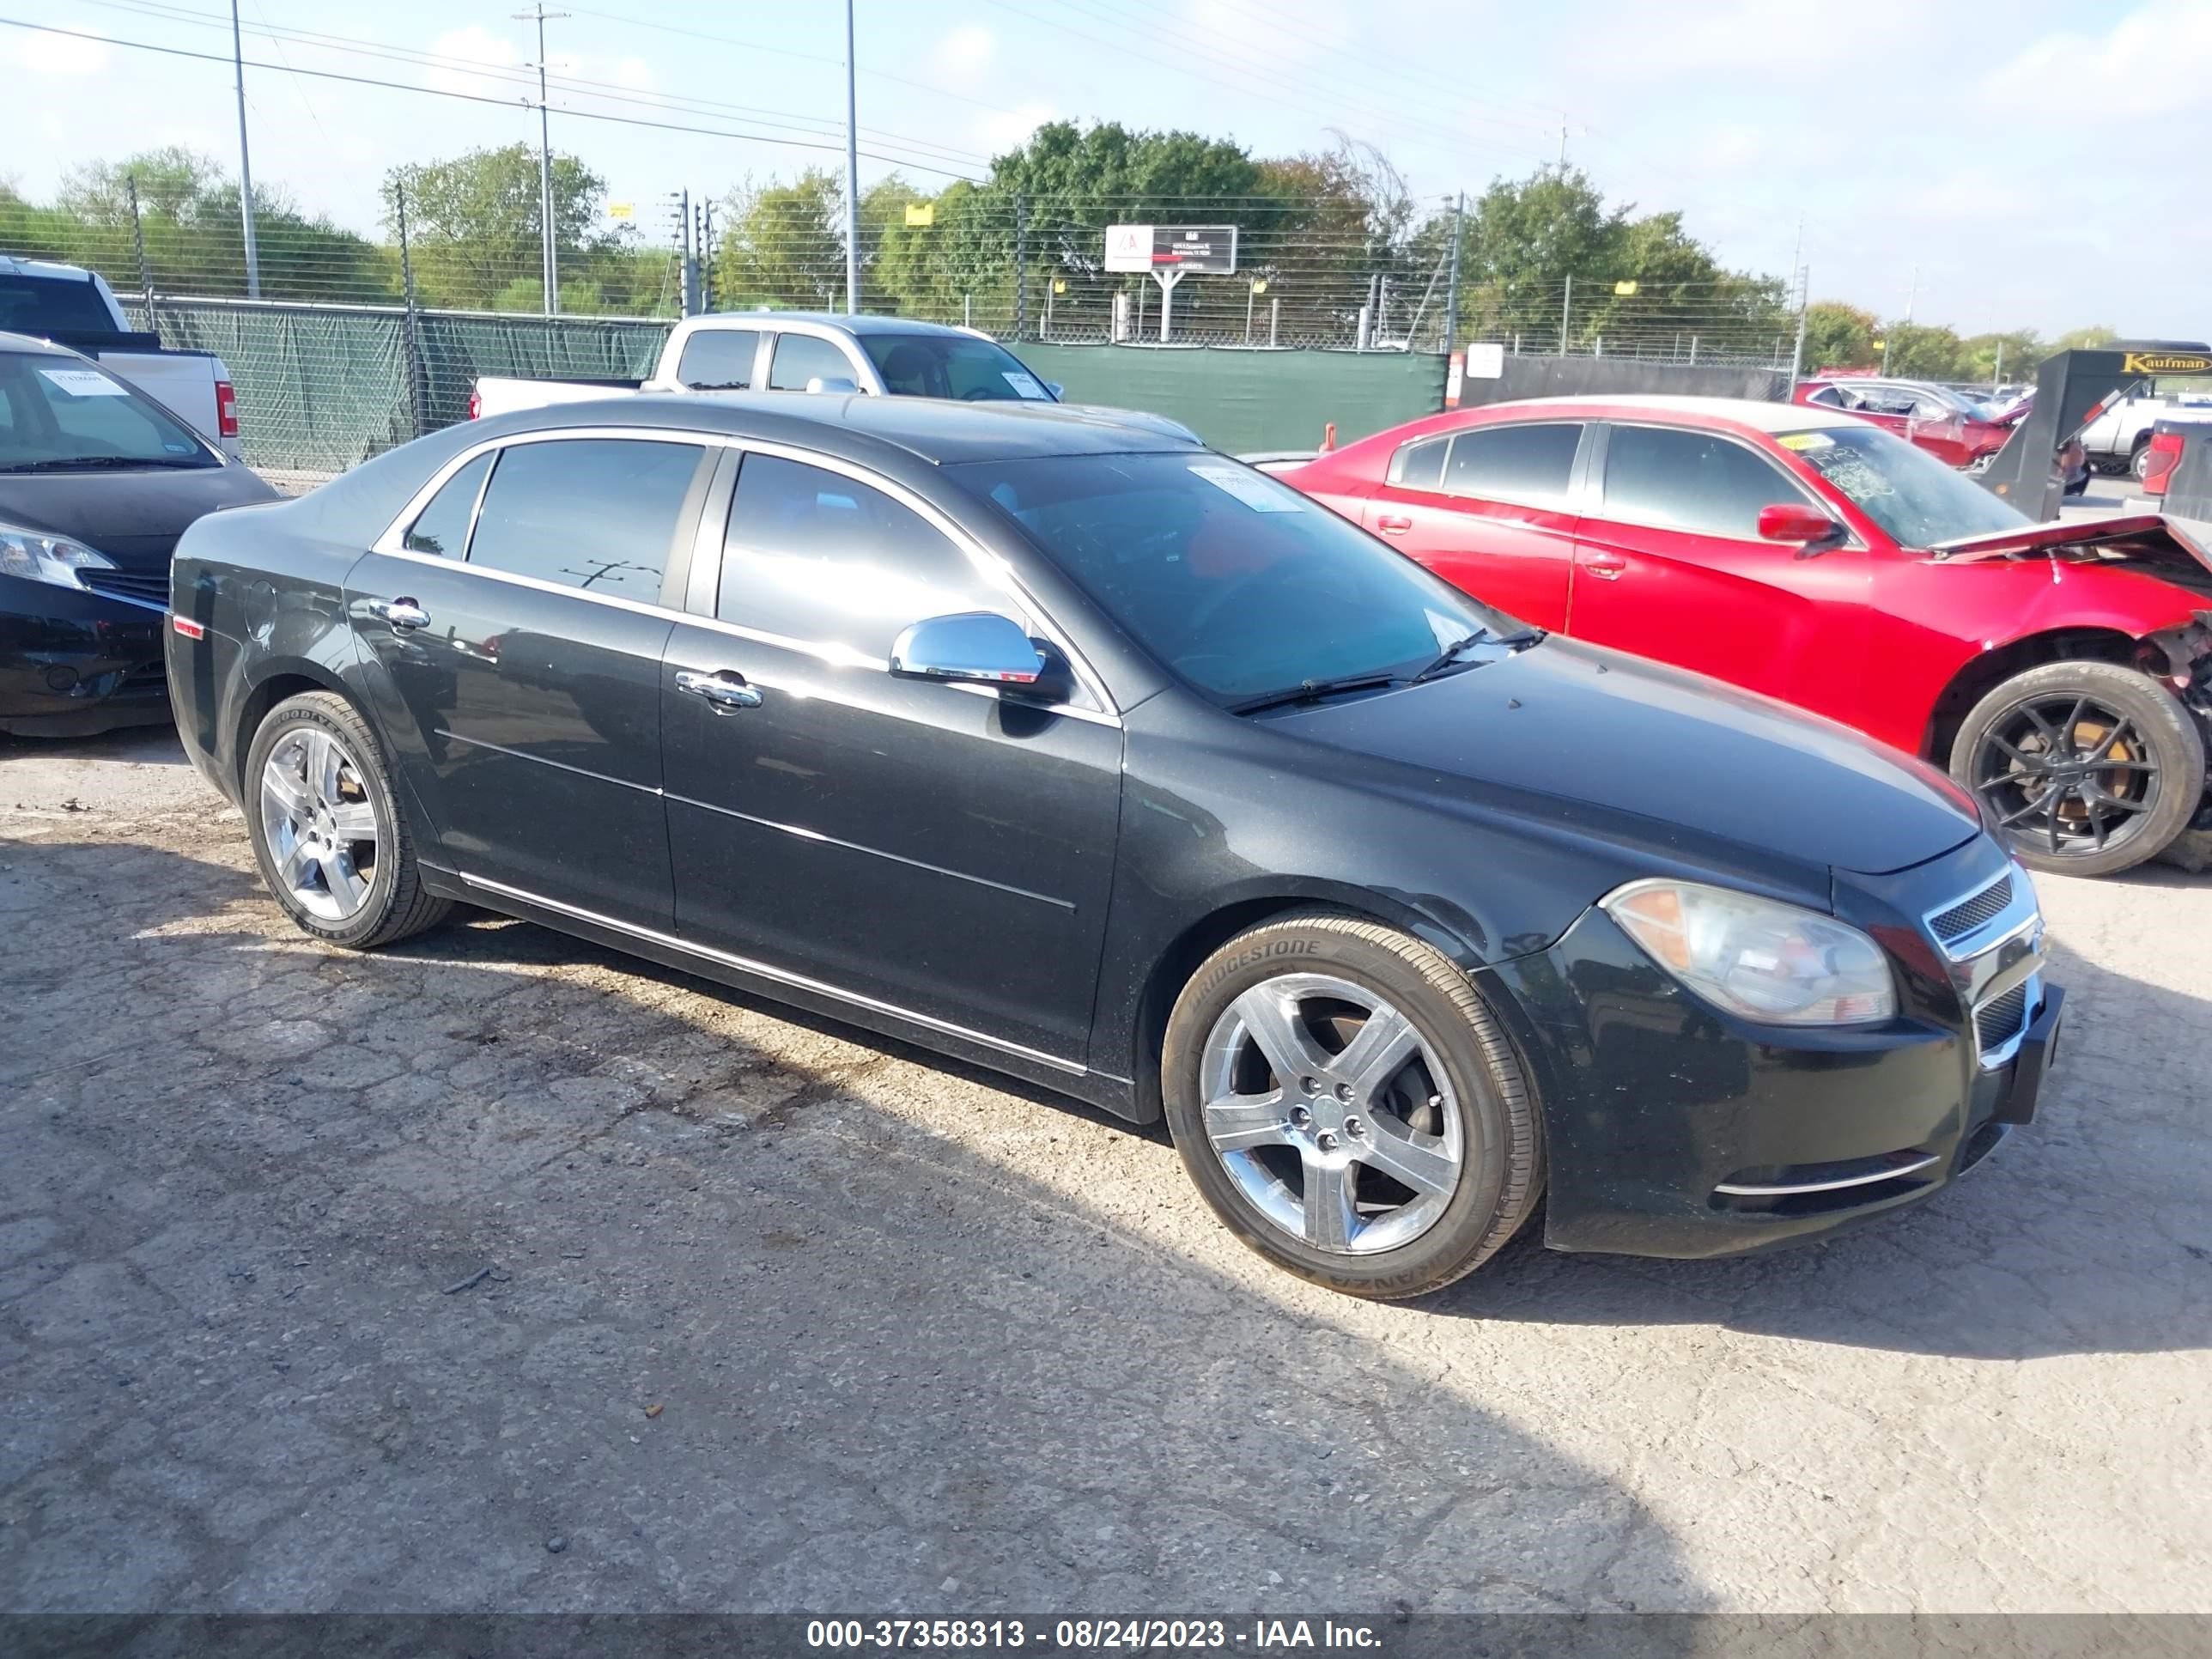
point(1797, 524)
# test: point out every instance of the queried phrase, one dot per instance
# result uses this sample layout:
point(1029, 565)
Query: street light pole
point(851, 177)
point(245, 165)
point(550, 259)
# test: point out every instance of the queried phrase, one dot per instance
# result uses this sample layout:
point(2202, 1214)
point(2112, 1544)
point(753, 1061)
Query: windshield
point(951, 366)
point(1913, 497)
point(61, 414)
point(1240, 586)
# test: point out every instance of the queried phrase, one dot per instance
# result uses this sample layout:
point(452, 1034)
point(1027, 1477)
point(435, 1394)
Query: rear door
point(1669, 565)
point(1489, 508)
point(516, 627)
point(943, 851)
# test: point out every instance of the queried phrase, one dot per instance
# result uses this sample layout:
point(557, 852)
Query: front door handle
point(405, 615)
point(1605, 566)
point(1392, 524)
point(725, 689)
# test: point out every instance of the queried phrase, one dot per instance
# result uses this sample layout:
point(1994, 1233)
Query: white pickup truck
point(816, 351)
point(2119, 440)
point(77, 309)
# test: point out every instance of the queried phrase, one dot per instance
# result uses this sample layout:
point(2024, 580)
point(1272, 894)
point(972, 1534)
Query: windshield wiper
point(1449, 659)
point(100, 464)
point(1314, 691)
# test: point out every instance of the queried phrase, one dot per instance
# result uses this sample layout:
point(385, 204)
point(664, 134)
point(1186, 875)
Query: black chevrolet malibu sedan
point(1099, 758)
point(97, 481)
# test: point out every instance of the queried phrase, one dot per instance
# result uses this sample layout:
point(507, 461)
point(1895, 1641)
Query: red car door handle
point(1605, 565)
point(1392, 524)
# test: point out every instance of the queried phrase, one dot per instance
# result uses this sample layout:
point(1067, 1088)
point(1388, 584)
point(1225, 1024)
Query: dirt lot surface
point(498, 1271)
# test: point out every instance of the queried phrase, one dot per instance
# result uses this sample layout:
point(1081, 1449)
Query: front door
point(941, 850)
point(1670, 566)
point(1489, 509)
point(516, 637)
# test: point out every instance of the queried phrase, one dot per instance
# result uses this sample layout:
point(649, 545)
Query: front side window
point(1530, 464)
point(951, 366)
point(803, 357)
point(595, 514)
point(719, 360)
point(813, 555)
point(1679, 479)
point(442, 527)
point(1234, 582)
point(65, 415)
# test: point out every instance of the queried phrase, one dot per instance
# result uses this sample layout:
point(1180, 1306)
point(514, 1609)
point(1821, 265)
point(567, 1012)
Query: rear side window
point(719, 359)
point(1530, 464)
point(802, 357)
point(814, 556)
point(1679, 479)
point(442, 527)
point(595, 514)
point(1420, 466)
point(53, 304)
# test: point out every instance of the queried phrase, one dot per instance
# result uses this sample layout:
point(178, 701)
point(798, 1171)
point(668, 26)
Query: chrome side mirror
point(833, 383)
point(978, 646)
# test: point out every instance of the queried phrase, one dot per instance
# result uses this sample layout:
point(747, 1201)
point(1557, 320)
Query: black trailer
point(2071, 390)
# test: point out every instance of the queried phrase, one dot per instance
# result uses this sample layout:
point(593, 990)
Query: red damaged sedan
point(2061, 672)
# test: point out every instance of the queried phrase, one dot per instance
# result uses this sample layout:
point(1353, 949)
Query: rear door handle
point(405, 615)
point(725, 689)
point(1392, 524)
point(1605, 566)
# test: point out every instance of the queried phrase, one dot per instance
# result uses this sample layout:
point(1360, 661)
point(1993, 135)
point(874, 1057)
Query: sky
point(2022, 164)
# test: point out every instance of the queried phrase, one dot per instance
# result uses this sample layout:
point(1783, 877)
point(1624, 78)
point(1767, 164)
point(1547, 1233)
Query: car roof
point(30, 342)
point(858, 427)
point(861, 324)
point(1743, 412)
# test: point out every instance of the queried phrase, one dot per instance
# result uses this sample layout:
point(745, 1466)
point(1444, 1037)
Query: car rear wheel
point(1349, 1106)
point(2084, 768)
point(327, 828)
point(2139, 459)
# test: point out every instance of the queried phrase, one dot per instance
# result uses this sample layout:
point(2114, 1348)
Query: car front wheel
point(327, 830)
point(1350, 1107)
point(2084, 768)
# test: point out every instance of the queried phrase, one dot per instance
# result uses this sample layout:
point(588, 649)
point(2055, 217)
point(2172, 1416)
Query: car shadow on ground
point(2089, 1232)
point(499, 1271)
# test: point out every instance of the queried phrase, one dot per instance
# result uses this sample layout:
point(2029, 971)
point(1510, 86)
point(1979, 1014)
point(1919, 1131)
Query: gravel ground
point(497, 1272)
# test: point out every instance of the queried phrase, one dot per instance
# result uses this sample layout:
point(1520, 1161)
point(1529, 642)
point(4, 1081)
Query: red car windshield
point(1913, 497)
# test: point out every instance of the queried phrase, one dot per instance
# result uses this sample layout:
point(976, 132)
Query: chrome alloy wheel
point(1332, 1114)
point(318, 825)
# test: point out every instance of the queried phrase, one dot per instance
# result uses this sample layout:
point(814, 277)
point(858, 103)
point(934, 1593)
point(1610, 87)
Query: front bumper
point(1672, 1130)
point(73, 663)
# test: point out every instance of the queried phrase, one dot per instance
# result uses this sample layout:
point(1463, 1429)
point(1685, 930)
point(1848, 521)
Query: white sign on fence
point(1486, 360)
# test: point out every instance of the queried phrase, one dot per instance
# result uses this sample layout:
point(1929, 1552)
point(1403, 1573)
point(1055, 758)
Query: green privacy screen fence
point(323, 387)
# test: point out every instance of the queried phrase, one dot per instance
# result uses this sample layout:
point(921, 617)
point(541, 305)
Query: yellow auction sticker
point(1805, 441)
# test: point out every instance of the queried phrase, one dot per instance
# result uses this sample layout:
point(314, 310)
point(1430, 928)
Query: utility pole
point(1912, 294)
point(851, 177)
point(1797, 352)
point(1451, 284)
point(550, 263)
point(1567, 309)
point(245, 164)
point(1562, 141)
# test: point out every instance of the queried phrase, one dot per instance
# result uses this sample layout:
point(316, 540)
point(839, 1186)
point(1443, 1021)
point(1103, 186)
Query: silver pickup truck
point(2119, 440)
point(817, 351)
point(77, 308)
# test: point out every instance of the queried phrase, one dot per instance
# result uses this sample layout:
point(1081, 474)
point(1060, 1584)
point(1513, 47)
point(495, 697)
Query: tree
point(2085, 339)
point(1839, 336)
point(473, 222)
point(783, 245)
point(2013, 355)
point(1919, 351)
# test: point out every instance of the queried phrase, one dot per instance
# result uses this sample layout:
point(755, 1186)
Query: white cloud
point(634, 73)
point(2155, 61)
point(59, 55)
point(474, 44)
point(961, 56)
point(1000, 130)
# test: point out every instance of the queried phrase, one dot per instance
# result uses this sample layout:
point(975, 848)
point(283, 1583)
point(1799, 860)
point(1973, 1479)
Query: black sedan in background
point(1053, 742)
point(97, 481)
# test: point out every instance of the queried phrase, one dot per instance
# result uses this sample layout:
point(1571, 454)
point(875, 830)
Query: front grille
point(1976, 911)
point(150, 585)
point(2000, 1019)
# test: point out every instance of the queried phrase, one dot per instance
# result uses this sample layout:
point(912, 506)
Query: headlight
point(1763, 961)
point(36, 556)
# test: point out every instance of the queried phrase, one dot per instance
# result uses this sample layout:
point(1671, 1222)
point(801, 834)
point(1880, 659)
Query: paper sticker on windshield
point(1024, 384)
point(1256, 492)
point(1804, 441)
point(84, 383)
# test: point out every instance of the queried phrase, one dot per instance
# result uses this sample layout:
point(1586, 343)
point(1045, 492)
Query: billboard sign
point(1202, 250)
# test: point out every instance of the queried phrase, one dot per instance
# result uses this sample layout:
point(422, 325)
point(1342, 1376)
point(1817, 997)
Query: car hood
point(1142, 419)
point(1570, 722)
point(135, 517)
point(2180, 552)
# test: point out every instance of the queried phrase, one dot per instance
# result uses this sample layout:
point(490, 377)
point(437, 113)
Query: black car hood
point(1574, 722)
point(135, 517)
